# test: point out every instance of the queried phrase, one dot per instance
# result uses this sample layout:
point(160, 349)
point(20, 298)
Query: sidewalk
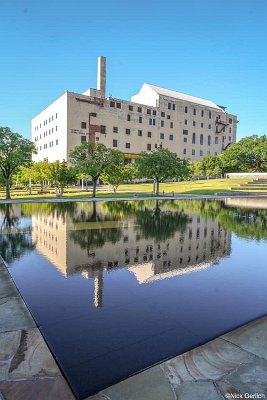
point(235, 363)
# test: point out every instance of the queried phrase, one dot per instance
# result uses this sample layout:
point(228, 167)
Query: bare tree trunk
point(61, 190)
point(94, 186)
point(157, 188)
point(8, 189)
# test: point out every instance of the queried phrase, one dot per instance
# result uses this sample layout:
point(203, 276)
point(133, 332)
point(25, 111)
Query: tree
point(160, 165)
point(40, 172)
point(119, 173)
point(61, 175)
point(249, 154)
point(15, 151)
point(212, 166)
point(93, 159)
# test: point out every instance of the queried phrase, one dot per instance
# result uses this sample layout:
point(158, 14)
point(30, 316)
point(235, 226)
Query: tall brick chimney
point(101, 76)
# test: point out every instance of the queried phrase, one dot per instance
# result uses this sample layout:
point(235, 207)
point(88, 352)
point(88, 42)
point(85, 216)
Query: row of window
point(149, 148)
point(46, 145)
point(50, 119)
point(171, 106)
point(46, 133)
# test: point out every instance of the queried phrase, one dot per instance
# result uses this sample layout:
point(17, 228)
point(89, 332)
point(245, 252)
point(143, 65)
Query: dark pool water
point(116, 287)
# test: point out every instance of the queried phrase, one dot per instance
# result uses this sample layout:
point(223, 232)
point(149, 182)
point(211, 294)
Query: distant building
point(190, 126)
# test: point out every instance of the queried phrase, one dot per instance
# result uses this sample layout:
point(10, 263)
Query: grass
point(201, 187)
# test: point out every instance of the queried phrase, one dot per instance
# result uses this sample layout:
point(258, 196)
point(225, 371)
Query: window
point(185, 121)
point(184, 151)
point(115, 143)
point(139, 109)
point(156, 145)
point(49, 119)
point(193, 152)
point(148, 111)
point(52, 118)
point(83, 139)
point(215, 153)
point(140, 133)
point(56, 115)
point(128, 117)
point(209, 115)
point(118, 105)
point(202, 113)
point(230, 138)
point(185, 132)
point(171, 124)
point(112, 104)
point(127, 145)
point(173, 107)
point(161, 136)
point(56, 142)
point(201, 153)
point(230, 121)
point(168, 117)
point(93, 114)
point(201, 125)
point(209, 140)
point(52, 130)
point(49, 131)
point(194, 138)
point(127, 131)
point(209, 126)
point(56, 128)
point(140, 120)
point(83, 125)
point(185, 139)
point(216, 140)
point(102, 129)
point(154, 112)
point(186, 109)
point(152, 121)
point(194, 111)
point(130, 108)
point(223, 139)
point(201, 139)
point(148, 147)
point(194, 123)
point(115, 129)
point(163, 114)
point(230, 130)
point(162, 124)
point(148, 134)
point(40, 148)
point(171, 137)
point(169, 106)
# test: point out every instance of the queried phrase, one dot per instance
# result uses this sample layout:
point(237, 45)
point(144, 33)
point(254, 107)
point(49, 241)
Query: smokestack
point(101, 76)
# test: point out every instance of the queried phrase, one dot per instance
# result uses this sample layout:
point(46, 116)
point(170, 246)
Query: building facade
point(190, 126)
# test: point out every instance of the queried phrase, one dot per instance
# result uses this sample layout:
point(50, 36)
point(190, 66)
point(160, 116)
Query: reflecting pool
point(116, 287)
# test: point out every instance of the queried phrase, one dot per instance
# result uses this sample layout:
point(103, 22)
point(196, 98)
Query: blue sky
point(211, 49)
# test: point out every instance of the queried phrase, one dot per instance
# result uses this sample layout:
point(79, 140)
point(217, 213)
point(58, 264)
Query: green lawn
point(140, 190)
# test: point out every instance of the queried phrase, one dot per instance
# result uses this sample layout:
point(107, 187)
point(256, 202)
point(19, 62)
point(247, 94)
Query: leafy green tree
point(93, 159)
point(119, 173)
point(160, 165)
point(61, 175)
point(15, 151)
point(41, 172)
point(249, 154)
point(196, 169)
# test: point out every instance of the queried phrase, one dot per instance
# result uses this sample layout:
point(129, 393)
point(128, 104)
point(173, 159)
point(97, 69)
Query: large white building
point(190, 126)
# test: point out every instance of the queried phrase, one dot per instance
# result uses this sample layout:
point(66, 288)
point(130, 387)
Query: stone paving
point(231, 366)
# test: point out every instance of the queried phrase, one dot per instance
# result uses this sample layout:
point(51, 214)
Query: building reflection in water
point(153, 243)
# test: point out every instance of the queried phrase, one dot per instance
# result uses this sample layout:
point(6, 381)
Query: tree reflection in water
point(14, 241)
